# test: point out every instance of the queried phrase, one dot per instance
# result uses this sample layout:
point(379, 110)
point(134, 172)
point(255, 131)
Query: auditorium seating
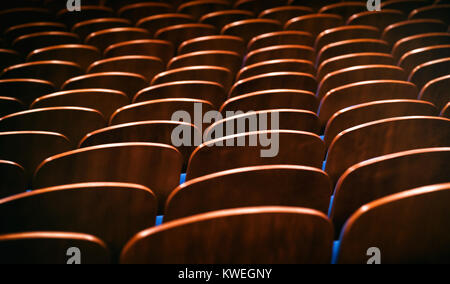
point(224, 131)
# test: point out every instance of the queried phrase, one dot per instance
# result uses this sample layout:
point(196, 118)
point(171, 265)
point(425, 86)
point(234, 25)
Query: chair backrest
point(88, 12)
point(27, 43)
point(277, 65)
point(400, 30)
point(85, 28)
point(13, 179)
point(248, 29)
point(422, 215)
point(295, 186)
point(221, 58)
point(52, 248)
point(300, 52)
point(435, 91)
point(446, 111)
point(337, 34)
point(283, 14)
point(384, 137)
point(416, 57)
point(418, 41)
point(130, 208)
point(281, 38)
point(180, 33)
point(138, 11)
point(314, 23)
point(257, 232)
point(406, 6)
point(258, 6)
point(425, 73)
point(17, 31)
point(222, 18)
point(25, 90)
point(17, 16)
point(440, 12)
point(199, 8)
point(9, 58)
point(380, 19)
point(156, 22)
point(216, 42)
point(10, 105)
point(345, 9)
point(105, 38)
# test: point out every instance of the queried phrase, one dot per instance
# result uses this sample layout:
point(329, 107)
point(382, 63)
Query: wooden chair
point(372, 111)
point(248, 29)
point(222, 18)
point(257, 7)
point(439, 12)
point(352, 46)
point(199, 8)
point(418, 41)
point(214, 74)
point(283, 14)
point(128, 83)
point(156, 22)
point(416, 57)
point(300, 52)
point(288, 119)
point(364, 92)
point(130, 207)
point(147, 47)
point(446, 111)
point(106, 38)
point(345, 9)
point(314, 23)
point(103, 100)
point(343, 33)
point(155, 131)
point(276, 80)
point(181, 33)
point(20, 30)
point(429, 71)
point(72, 122)
point(406, 6)
point(9, 58)
point(136, 12)
point(88, 12)
point(384, 137)
point(10, 105)
point(295, 148)
point(277, 65)
point(56, 72)
point(315, 5)
point(23, 15)
point(258, 232)
point(436, 91)
point(355, 59)
point(51, 248)
point(381, 19)
point(83, 55)
point(203, 90)
point(359, 74)
point(253, 186)
point(28, 43)
point(400, 30)
point(13, 179)
point(226, 59)
point(281, 38)
point(25, 90)
point(85, 28)
point(146, 66)
point(272, 99)
point(217, 42)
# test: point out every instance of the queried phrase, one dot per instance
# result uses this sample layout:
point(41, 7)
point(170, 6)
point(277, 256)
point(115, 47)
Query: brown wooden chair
point(138, 11)
point(146, 66)
point(222, 18)
point(359, 74)
point(156, 22)
point(128, 83)
point(384, 137)
point(372, 111)
point(281, 38)
point(155, 131)
point(73, 122)
point(276, 80)
point(147, 47)
point(315, 5)
point(380, 19)
point(83, 55)
point(214, 74)
point(257, 232)
point(106, 38)
point(300, 52)
point(288, 119)
point(446, 111)
point(278, 185)
point(429, 71)
point(400, 30)
point(104, 100)
point(295, 148)
point(419, 41)
point(283, 14)
point(416, 57)
point(314, 23)
point(436, 91)
point(25, 90)
point(28, 43)
point(406, 6)
point(272, 99)
point(351, 47)
point(85, 28)
point(411, 211)
point(10, 105)
point(9, 58)
point(227, 59)
point(248, 29)
point(88, 12)
point(203, 90)
point(343, 33)
point(130, 208)
point(51, 248)
point(23, 15)
point(257, 7)
point(439, 12)
point(217, 42)
point(54, 71)
point(199, 8)
point(13, 179)
point(364, 92)
point(344, 9)
point(355, 59)
point(277, 65)
point(181, 33)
